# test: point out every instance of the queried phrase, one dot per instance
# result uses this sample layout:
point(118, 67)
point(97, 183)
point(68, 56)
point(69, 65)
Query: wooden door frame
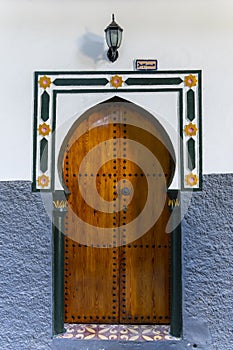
point(59, 211)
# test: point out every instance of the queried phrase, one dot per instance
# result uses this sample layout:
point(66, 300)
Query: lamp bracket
point(112, 55)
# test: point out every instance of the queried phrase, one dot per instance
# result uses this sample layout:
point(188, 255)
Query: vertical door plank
point(91, 261)
point(145, 254)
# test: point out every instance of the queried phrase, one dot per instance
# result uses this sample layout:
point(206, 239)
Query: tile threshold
point(121, 332)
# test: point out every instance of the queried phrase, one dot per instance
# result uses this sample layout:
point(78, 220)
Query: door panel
point(117, 164)
point(141, 302)
point(144, 279)
point(91, 284)
point(91, 272)
point(144, 270)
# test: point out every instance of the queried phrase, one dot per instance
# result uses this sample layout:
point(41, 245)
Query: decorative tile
point(50, 85)
point(44, 155)
point(191, 154)
point(190, 80)
point(117, 332)
point(116, 81)
point(191, 179)
point(45, 82)
point(43, 181)
point(81, 82)
point(191, 107)
point(190, 129)
point(153, 81)
point(45, 99)
point(44, 129)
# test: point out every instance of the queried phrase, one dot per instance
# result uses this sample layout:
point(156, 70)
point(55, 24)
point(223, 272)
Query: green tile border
point(44, 154)
point(80, 82)
point(181, 141)
point(141, 76)
point(44, 108)
point(153, 81)
point(191, 154)
point(200, 129)
point(190, 96)
point(34, 187)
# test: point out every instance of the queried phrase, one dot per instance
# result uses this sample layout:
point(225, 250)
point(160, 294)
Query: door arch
point(117, 162)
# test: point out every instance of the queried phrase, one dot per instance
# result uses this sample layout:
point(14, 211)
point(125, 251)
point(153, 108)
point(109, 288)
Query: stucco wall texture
point(26, 272)
point(26, 269)
point(208, 259)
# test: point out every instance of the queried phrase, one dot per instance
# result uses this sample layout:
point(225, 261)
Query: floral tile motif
point(191, 179)
point(190, 80)
point(43, 181)
point(190, 129)
point(117, 332)
point(44, 129)
point(45, 82)
point(116, 81)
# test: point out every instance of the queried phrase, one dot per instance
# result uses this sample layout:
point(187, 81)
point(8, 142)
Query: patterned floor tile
point(117, 332)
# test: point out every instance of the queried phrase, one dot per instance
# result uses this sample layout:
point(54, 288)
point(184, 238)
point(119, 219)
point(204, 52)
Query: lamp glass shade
point(119, 38)
point(113, 35)
point(108, 38)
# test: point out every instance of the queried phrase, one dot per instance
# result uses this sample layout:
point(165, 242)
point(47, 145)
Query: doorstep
point(120, 332)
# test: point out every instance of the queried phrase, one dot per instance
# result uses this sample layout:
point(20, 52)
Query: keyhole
point(125, 191)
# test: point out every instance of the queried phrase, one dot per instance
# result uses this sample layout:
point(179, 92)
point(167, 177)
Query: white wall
point(68, 35)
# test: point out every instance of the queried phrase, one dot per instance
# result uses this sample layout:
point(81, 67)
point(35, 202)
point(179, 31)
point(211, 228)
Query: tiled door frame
point(48, 86)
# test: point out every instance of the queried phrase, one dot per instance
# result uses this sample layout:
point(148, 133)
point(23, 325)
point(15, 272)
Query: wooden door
point(117, 164)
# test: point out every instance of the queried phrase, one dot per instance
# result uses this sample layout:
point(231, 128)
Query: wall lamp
point(113, 34)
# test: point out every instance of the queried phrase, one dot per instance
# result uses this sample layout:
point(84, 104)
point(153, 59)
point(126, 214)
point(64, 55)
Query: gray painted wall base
point(114, 345)
point(26, 272)
point(208, 261)
point(26, 269)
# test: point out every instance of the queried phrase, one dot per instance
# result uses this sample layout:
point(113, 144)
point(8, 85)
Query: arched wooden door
point(117, 164)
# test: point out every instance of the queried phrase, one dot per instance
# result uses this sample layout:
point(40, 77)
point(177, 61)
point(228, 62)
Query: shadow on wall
point(92, 46)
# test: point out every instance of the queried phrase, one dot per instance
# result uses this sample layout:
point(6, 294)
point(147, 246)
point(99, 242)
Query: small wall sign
point(142, 64)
